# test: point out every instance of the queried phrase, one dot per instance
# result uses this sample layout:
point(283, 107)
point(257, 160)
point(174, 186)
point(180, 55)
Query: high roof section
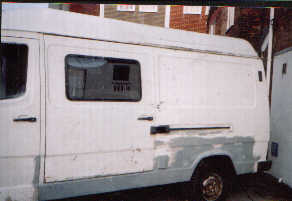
point(51, 21)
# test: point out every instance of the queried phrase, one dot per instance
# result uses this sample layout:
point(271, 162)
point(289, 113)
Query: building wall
point(155, 18)
point(188, 22)
point(252, 24)
point(221, 22)
point(249, 24)
point(282, 29)
point(90, 9)
point(177, 20)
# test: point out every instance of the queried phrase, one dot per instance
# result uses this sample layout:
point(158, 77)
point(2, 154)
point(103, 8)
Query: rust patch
point(8, 198)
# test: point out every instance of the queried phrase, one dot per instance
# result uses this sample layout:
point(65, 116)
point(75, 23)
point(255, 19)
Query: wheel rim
point(211, 187)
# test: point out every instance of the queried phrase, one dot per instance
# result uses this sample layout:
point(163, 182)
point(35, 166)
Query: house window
point(102, 78)
point(148, 8)
point(13, 70)
point(230, 17)
point(124, 7)
point(192, 10)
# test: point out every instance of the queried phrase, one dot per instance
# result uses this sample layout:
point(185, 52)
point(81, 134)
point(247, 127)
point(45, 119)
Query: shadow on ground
point(251, 187)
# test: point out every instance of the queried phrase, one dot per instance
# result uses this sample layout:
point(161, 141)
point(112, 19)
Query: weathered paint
point(161, 162)
point(109, 184)
point(8, 199)
point(36, 176)
point(96, 147)
point(187, 151)
point(194, 149)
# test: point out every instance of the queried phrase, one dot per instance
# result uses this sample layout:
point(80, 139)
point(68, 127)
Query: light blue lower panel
point(81, 187)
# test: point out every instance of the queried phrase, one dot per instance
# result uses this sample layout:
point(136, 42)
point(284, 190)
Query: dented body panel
point(196, 103)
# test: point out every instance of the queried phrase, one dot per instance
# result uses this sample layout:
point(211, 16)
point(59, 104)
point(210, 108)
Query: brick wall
point(282, 29)
point(249, 23)
point(178, 20)
point(189, 22)
point(221, 22)
point(252, 24)
point(155, 18)
point(90, 9)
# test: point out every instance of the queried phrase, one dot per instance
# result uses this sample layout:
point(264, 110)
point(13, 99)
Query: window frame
point(212, 29)
point(230, 17)
point(122, 9)
point(192, 10)
point(145, 9)
point(27, 70)
point(207, 10)
point(102, 99)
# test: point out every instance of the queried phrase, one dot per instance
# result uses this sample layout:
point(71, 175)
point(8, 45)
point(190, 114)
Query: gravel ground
point(251, 187)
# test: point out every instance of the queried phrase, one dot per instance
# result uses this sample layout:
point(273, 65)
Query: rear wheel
point(210, 183)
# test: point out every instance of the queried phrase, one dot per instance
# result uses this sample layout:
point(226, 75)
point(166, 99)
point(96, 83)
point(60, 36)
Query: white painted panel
point(198, 82)
point(19, 141)
point(60, 23)
point(99, 133)
point(281, 116)
point(107, 163)
point(16, 171)
point(205, 90)
point(6, 6)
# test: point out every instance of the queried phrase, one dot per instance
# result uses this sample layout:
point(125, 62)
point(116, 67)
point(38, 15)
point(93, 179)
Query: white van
point(281, 116)
point(91, 105)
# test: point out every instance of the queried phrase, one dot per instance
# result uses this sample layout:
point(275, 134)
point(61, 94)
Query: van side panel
point(20, 139)
point(191, 90)
point(177, 153)
point(199, 92)
point(95, 138)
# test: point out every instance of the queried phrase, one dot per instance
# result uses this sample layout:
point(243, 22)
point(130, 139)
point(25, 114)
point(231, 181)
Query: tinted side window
point(13, 70)
point(102, 78)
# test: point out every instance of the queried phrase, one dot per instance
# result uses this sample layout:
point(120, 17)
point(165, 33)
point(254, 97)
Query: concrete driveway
point(252, 187)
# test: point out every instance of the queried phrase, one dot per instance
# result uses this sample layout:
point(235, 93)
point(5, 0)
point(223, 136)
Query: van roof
point(52, 21)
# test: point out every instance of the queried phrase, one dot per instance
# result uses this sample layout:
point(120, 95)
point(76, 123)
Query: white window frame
point(212, 29)
point(101, 10)
point(197, 10)
point(167, 16)
point(230, 17)
point(207, 9)
point(148, 8)
point(126, 7)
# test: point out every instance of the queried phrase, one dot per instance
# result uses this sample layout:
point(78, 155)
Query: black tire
point(210, 183)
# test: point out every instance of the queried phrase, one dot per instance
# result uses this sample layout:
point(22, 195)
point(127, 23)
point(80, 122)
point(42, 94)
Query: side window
point(13, 70)
point(102, 78)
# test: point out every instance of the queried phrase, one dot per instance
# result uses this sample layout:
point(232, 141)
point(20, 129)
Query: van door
point(98, 109)
point(19, 115)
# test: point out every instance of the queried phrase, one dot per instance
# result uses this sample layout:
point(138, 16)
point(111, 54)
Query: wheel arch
point(213, 158)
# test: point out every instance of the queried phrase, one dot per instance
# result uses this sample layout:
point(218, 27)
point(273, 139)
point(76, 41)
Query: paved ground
point(253, 187)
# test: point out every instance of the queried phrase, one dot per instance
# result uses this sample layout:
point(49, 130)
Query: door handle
point(146, 118)
point(28, 119)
